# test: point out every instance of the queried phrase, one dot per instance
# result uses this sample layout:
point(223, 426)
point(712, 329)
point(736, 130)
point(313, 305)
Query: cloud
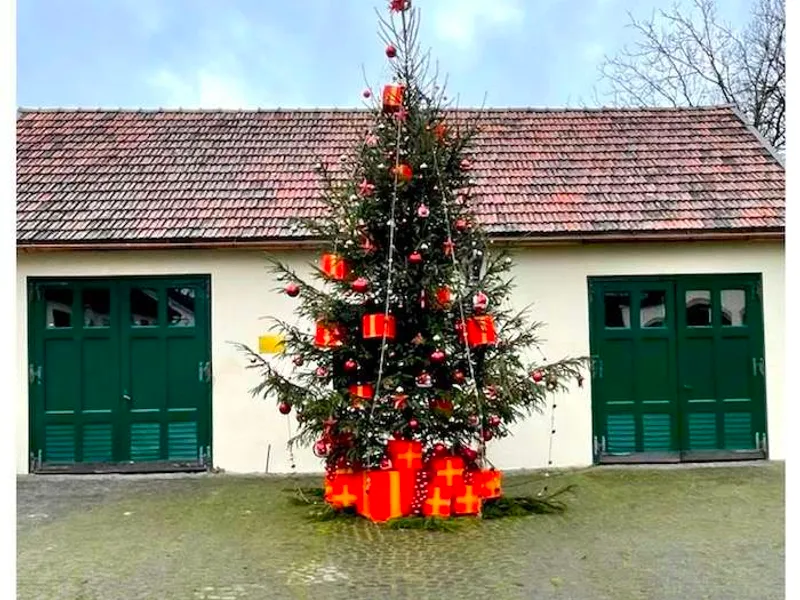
point(460, 21)
point(207, 87)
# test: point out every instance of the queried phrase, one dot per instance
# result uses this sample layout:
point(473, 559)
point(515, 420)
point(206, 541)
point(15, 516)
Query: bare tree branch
point(688, 56)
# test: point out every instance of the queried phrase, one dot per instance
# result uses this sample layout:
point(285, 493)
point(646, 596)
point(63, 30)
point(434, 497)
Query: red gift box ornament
point(405, 454)
point(438, 501)
point(393, 97)
point(467, 501)
point(481, 331)
point(345, 488)
point(359, 392)
point(329, 335)
point(387, 494)
point(444, 297)
point(403, 172)
point(375, 326)
point(334, 266)
point(488, 483)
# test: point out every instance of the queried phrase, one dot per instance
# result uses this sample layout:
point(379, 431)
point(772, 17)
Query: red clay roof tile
point(116, 176)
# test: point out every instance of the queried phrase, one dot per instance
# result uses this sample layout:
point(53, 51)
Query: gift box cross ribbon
point(345, 497)
point(449, 473)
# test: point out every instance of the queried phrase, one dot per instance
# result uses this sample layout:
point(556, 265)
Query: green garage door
point(677, 368)
point(119, 374)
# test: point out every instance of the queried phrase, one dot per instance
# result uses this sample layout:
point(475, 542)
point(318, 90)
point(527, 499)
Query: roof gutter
point(505, 240)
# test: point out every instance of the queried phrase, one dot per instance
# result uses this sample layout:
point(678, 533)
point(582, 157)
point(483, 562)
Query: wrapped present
point(466, 501)
point(346, 488)
point(405, 454)
point(393, 97)
point(328, 335)
point(334, 266)
point(481, 331)
point(403, 172)
point(359, 392)
point(447, 471)
point(438, 501)
point(387, 494)
point(374, 326)
point(488, 483)
point(444, 297)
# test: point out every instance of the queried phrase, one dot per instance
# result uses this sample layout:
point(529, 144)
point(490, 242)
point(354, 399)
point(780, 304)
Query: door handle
point(126, 396)
point(687, 387)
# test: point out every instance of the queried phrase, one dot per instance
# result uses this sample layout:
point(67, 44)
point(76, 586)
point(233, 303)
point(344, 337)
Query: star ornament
point(365, 188)
point(401, 114)
point(371, 140)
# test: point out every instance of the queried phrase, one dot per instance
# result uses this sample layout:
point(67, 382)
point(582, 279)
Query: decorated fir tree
point(416, 359)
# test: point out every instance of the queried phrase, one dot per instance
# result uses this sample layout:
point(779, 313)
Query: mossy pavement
point(629, 533)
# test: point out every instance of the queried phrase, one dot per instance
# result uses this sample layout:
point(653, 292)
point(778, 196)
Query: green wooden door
point(634, 370)
point(678, 368)
point(119, 373)
point(721, 371)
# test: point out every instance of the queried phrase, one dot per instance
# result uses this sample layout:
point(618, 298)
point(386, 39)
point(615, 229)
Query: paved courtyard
point(630, 533)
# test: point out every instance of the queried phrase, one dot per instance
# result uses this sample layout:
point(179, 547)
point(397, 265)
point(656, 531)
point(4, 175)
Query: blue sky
point(308, 53)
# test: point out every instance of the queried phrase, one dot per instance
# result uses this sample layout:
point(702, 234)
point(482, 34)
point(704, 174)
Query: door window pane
point(698, 308)
point(734, 307)
point(58, 307)
point(618, 310)
point(97, 307)
point(180, 307)
point(144, 307)
point(653, 309)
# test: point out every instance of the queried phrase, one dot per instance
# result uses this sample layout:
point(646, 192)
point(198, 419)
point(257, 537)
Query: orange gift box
point(447, 471)
point(329, 335)
point(359, 392)
point(444, 297)
point(393, 97)
point(466, 501)
point(438, 501)
point(480, 330)
point(374, 326)
point(488, 483)
point(334, 266)
point(405, 454)
point(388, 494)
point(344, 488)
point(403, 172)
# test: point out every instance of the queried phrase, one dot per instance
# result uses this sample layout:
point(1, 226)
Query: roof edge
point(767, 146)
point(509, 240)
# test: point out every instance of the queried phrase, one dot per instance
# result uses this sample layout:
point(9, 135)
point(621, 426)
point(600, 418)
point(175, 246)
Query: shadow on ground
point(629, 533)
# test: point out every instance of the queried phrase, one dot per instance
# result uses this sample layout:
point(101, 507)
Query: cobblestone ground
point(683, 533)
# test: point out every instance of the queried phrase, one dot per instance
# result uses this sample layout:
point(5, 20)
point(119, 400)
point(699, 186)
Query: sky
point(312, 53)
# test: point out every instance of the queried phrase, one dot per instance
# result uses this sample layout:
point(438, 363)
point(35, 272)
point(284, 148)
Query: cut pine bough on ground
point(416, 359)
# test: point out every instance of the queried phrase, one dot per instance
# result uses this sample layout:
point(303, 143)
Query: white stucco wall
point(554, 278)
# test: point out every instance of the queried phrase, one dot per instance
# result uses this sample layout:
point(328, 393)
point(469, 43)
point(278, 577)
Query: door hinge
point(764, 442)
point(35, 374)
point(597, 367)
point(204, 371)
point(758, 367)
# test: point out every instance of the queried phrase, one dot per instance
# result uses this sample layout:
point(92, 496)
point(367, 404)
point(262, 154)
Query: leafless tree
point(688, 56)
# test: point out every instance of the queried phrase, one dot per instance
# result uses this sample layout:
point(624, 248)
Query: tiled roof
point(97, 176)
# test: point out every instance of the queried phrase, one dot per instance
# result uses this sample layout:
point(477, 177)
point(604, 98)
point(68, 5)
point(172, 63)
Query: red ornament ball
point(474, 420)
point(298, 361)
point(537, 376)
point(439, 449)
point(292, 289)
point(459, 377)
point(469, 454)
point(494, 421)
point(423, 211)
point(285, 408)
point(322, 372)
point(350, 365)
point(413, 424)
point(367, 93)
point(385, 463)
point(321, 448)
point(360, 285)
point(391, 51)
point(487, 435)
point(415, 258)
point(438, 356)
point(479, 302)
point(461, 224)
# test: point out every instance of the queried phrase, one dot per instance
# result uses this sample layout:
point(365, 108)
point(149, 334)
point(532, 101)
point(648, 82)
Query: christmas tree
point(416, 351)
